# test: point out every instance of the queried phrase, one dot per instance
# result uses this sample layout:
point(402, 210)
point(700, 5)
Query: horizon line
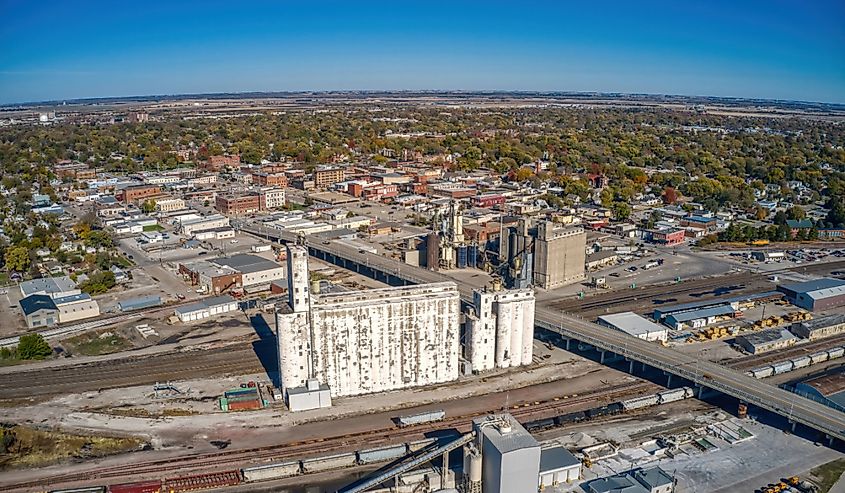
point(191, 95)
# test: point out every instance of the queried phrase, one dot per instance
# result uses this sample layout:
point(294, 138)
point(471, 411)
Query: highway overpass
point(703, 373)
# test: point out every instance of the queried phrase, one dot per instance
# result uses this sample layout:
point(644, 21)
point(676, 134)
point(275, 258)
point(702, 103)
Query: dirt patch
point(32, 447)
point(137, 412)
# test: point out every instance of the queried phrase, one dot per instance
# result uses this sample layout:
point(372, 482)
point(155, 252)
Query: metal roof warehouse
point(675, 320)
point(818, 294)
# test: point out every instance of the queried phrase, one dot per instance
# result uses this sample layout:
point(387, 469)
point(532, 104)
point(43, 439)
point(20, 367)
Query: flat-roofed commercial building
point(635, 325)
point(274, 198)
point(254, 270)
point(138, 193)
point(214, 221)
point(328, 175)
point(238, 205)
point(270, 179)
point(169, 204)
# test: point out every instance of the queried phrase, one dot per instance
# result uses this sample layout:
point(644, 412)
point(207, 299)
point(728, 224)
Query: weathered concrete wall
point(559, 257)
point(398, 338)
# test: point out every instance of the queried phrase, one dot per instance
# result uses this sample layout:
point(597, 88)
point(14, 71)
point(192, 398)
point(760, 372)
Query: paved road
point(704, 373)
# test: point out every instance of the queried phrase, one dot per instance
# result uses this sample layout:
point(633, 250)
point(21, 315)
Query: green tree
point(796, 212)
point(98, 239)
point(17, 259)
point(33, 346)
point(621, 210)
point(98, 283)
point(148, 206)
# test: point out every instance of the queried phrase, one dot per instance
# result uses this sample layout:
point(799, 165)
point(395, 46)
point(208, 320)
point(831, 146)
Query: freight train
point(797, 363)
point(287, 469)
point(610, 409)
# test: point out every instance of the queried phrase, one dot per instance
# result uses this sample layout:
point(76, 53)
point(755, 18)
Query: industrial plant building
point(510, 455)
point(544, 255)
point(368, 341)
point(819, 294)
point(651, 480)
point(559, 255)
point(828, 389)
point(500, 328)
point(254, 270)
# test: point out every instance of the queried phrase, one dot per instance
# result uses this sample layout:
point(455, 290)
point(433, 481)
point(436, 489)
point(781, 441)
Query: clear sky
point(763, 48)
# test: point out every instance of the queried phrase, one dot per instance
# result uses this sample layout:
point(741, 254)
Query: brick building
point(270, 179)
point(138, 193)
point(326, 176)
point(238, 205)
point(216, 163)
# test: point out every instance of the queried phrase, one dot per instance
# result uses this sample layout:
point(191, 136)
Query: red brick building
point(669, 237)
point(138, 193)
point(488, 200)
point(216, 163)
point(270, 179)
point(240, 205)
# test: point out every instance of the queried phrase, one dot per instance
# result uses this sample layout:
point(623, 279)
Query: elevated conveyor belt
point(410, 465)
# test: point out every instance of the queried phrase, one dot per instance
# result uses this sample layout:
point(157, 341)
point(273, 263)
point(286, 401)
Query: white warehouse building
point(366, 341)
point(500, 328)
point(206, 308)
point(191, 226)
point(76, 307)
point(635, 325)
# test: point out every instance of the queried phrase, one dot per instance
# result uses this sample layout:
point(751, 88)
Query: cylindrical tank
point(462, 257)
point(472, 256)
point(742, 410)
point(472, 464)
point(432, 254)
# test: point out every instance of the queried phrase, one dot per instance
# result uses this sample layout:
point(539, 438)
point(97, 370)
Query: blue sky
point(766, 49)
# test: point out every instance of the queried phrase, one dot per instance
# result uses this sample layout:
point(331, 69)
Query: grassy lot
point(30, 447)
point(97, 343)
point(154, 227)
point(826, 475)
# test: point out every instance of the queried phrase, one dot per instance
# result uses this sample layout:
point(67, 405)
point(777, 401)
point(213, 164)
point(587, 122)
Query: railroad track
point(741, 282)
point(321, 446)
point(107, 374)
